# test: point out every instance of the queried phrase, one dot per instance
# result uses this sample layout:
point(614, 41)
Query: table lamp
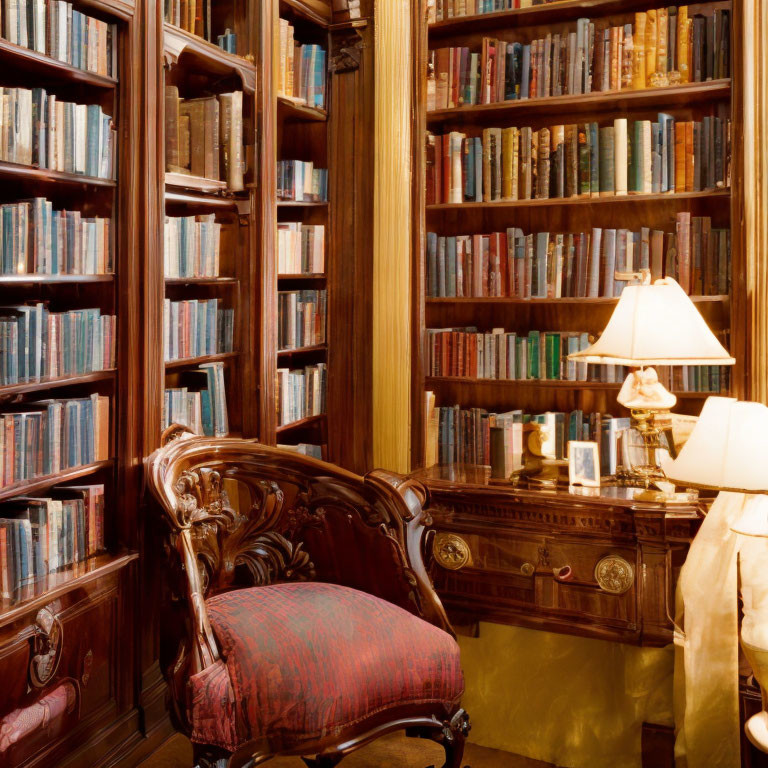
point(728, 451)
point(653, 324)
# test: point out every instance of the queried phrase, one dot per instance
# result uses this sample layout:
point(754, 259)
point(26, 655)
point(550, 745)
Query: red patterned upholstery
point(305, 660)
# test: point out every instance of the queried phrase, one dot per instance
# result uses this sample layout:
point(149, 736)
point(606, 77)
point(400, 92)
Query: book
point(196, 328)
point(300, 248)
point(301, 318)
point(192, 246)
point(301, 69)
point(300, 393)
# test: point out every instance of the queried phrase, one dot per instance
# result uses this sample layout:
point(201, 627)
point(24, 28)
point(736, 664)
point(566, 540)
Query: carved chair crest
point(240, 514)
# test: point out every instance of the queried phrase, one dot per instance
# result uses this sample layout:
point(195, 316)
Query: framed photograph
point(583, 464)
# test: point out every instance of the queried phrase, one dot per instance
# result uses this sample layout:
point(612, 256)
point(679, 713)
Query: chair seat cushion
point(306, 660)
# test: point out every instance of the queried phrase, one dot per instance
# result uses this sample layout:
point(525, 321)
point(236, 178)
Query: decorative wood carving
point(46, 647)
point(346, 51)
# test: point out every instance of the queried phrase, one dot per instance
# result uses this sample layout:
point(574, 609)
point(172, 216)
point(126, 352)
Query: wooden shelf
point(304, 11)
point(54, 585)
point(586, 301)
point(64, 381)
point(310, 421)
point(302, 276)
point(301, 204)
point(552, 13)
point(214, 60)
point(302, 350)
point(188, 198)
point(190, 362)
point(38, 484)
point(17, 171)
point(40, 64)
point(431, 382)
point(197, 183)
point(584, 201)
point(292, 109)
point(613, 101)
point(202, 281)
point(16, 280)
point(119, 8)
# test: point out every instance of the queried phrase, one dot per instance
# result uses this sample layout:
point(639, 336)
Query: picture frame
point(583, 464)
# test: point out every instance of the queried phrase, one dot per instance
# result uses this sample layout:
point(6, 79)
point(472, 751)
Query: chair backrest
point(244, 514)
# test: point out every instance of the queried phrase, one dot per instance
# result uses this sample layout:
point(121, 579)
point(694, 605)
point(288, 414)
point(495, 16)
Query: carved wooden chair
point(306, 623)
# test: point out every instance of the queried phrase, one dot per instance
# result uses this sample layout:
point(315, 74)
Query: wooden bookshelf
point(99, 592)
point(688, 101)
point(302, 132)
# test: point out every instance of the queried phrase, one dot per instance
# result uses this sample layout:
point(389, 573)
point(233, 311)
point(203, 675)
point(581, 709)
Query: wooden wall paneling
point(265, 196)
point(752, 205)
point(419, 45)
point(350, 271)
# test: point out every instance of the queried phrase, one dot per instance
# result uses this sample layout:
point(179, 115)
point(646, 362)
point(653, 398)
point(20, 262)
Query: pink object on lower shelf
point(25, 721)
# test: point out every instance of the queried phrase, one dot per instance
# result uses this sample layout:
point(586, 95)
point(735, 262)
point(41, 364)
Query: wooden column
point(392, 239)
point(755, 193)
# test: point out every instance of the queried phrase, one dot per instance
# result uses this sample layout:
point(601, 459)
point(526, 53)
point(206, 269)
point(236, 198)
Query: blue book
point(451, 266)
point(432, 264)
point(594, 159)
point(469, 169)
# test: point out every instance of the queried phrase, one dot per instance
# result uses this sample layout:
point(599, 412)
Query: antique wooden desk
point(588, 562)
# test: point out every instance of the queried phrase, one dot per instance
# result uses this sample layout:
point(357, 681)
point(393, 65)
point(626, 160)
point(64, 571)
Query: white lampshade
point(727, 450)
point(655, 325)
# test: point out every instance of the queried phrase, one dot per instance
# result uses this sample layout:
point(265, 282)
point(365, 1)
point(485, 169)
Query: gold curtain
point(392, 238)
point(755, 178)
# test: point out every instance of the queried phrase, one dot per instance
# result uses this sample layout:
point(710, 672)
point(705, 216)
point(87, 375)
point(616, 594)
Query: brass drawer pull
point(451, 551)
point(614, 575)
point(527, 569)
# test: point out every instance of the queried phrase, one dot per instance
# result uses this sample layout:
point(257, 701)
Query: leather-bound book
point(638, 51)
point(231, 132)
point(607, 162)
point(651, 41)
point(543, 164)
point(621, 144)
point(682, 44)
point(172, 128)
point(680, 132)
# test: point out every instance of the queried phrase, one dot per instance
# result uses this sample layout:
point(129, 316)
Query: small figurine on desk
point(540, 466)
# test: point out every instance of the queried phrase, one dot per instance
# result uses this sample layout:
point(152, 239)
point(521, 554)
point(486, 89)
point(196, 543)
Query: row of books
point(545, 265)
point(192, 246)
point(200, 402)
point(439, 10)
point(584, 160)
point(300, 393)
point(44, 438)
point(543, 356)
point(192, 16)
point(204, 136)
point(36, 239)
point(39, 536)
point(301, 318)
point(301, 181)
point(500, 354)
point(55, 29)
point(36, 344)
point(663, 47)
point(300, 248)
point(475, 435)
point(301, 69)
point(37, 128)
point(196, 327)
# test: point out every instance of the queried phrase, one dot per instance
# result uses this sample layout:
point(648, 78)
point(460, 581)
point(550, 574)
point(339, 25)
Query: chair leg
point(453, 736)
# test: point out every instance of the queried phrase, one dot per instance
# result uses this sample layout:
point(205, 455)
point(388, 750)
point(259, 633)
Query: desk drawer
point(517, 573)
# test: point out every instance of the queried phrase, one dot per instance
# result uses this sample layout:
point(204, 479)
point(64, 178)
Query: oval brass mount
point(451, 551)
point(614, 574)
